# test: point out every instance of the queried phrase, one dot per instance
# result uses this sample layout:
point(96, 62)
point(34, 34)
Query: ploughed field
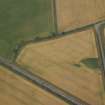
point(69, 62)
point(72, 13)
point(14, 90)
point(22, 20)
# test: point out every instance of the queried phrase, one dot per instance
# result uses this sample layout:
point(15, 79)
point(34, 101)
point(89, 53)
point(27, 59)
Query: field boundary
point(55, 16)
point(53, 36)
point(100, 38)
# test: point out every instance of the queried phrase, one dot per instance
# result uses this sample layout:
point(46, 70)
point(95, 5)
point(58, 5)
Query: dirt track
point(58, 61)
point(74, 13)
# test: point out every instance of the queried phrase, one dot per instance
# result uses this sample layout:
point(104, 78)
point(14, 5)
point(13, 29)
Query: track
point(99, 33)
point(67, 97)
point(54, 15)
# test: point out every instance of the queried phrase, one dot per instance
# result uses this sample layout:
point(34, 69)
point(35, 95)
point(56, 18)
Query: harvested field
point(16, 91)
point(73, 13)
point(70, 62)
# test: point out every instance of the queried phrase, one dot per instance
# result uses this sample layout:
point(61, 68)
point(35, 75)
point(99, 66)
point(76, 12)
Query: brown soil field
point(72, 13)
point(14, 90)
point(69, 62)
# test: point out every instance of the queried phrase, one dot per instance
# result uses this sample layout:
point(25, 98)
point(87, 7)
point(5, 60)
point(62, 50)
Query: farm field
point(69, 62)
point(22, 20)
point(72, 13)
point(14, 90)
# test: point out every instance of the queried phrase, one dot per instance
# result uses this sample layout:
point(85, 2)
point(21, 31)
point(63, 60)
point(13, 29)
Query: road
point(100, 41)
point(49, 87)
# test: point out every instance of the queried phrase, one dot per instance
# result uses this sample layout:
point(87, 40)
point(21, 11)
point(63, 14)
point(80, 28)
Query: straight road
point(49, 87)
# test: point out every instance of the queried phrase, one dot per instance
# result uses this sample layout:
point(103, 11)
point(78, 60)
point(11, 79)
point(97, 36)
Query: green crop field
point(21, 20)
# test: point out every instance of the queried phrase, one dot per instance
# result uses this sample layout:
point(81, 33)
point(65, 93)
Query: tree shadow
point(91, 63)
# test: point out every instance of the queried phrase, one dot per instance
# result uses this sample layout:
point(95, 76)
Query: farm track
point(70, 99)
point(99, 33)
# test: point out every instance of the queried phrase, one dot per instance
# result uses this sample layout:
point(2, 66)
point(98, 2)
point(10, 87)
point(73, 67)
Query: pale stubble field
point(76, 13)
point(69, 62)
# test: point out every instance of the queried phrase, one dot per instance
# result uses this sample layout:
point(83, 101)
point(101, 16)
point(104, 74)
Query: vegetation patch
point(21, 20)
point(91, 63)
point(77, 65)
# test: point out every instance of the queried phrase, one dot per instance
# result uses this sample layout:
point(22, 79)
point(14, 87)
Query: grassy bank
point(21, 20)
